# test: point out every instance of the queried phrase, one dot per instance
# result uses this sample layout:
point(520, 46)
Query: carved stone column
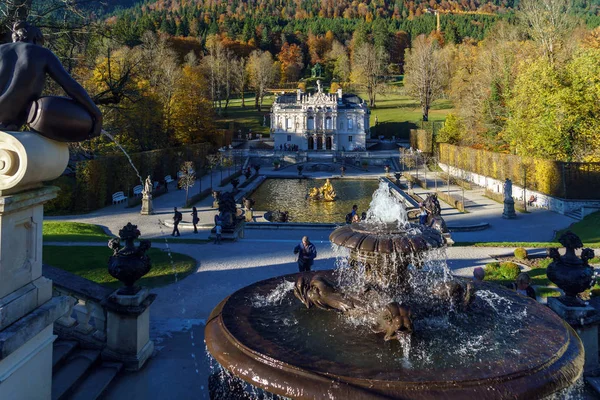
point(27, 308)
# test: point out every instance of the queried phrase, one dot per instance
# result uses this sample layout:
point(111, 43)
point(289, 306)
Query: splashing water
point(111, 137)
point(274, 297)
point(385, 208)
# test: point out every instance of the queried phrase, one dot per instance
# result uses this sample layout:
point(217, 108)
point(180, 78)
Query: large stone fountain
point(391, 322)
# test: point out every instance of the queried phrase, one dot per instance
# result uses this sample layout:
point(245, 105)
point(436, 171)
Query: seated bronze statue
point(395, 320)
point(24, 65)
point(315, 290)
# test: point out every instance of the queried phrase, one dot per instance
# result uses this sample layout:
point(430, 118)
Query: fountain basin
point(292, 351)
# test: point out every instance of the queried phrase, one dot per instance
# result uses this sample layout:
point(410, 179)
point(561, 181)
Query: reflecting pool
point(291, 195)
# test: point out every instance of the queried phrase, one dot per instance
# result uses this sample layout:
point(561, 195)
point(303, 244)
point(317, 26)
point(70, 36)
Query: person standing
point(423, 216)
point(177, 217)
point(307, 252)
point(195, 219)
point(218, 231)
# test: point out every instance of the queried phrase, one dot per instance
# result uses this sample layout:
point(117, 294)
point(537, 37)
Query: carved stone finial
point(569, 272)
point(129, 263)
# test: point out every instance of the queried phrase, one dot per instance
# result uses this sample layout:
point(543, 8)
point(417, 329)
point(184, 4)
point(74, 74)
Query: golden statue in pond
point(324, 193)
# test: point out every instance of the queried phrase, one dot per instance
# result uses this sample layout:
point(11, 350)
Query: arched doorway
point(320, 143)
point(311, 143)
point(328, 143)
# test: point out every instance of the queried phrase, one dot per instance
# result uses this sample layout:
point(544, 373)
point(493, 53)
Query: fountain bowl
point(312, 359)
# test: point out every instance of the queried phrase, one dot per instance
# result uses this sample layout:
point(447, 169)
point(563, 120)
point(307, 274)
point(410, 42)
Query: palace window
point(311, 123)
point(289, 138)
point(328, 123)
point(288, 123)
point(350, 138)
point(350, 124)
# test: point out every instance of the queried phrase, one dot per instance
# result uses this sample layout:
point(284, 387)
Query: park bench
point(138, 190)
point(118, 197)
point(168, 179)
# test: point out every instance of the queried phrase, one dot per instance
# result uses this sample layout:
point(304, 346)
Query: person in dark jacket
point(306, 254)
point(177, 217)
point(195, 219)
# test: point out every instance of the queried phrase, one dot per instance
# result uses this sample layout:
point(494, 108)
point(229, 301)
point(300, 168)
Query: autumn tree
point(548, 23)
point(368, 67)
point(192, 111)
point(422, 77)
point(240, 77)
point(553, 113)
point(290, 57)
point(338, 61)
point(262, 73)
point(187, 178)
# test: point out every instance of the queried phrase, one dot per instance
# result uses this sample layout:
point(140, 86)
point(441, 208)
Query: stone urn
point(570, 273)
point(343, 171)
point(300, 168)
point(256, 168)
point(247, 173)
point(397, 175)
point(129, 263)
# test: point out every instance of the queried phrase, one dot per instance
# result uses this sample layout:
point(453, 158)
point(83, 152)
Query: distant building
point(320, 121)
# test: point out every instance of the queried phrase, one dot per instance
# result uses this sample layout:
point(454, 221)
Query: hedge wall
point(421, 139)
point(554, 178)
point(96, 180)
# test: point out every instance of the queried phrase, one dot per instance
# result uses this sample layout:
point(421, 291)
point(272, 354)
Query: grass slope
point(91, 262)
point(56, 231)
point(588, 229)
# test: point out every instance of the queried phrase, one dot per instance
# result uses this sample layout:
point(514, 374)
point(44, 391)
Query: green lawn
point(56, 231)
point(588, 230)
point(91, 262)
point(396, 113)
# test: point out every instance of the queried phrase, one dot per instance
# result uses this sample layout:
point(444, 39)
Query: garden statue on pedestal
point(509, 203)
point(147, 207)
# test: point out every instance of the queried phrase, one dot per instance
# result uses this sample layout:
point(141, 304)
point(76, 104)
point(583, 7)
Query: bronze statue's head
point(24, 32)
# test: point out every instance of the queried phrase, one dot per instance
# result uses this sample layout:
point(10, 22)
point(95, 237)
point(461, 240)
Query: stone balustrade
point(85, 321)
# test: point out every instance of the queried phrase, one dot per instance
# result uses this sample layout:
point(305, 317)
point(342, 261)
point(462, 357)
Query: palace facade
point(319, 121)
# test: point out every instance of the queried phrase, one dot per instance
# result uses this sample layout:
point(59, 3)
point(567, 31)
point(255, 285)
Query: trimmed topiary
point(509, 270)
point(520, 253)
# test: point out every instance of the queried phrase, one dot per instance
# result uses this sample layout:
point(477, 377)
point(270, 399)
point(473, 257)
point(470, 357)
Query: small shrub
point(520, 253)
point(505, 271)
point(509, 270)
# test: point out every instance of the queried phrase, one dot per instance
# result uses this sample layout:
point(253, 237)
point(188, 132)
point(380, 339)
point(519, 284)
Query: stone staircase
point(575, 214)
point(80, 374)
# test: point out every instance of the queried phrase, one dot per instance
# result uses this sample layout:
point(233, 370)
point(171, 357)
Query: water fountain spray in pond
point(391, 322)
point(385, 209)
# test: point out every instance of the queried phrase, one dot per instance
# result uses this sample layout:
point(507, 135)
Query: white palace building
point(319, 121)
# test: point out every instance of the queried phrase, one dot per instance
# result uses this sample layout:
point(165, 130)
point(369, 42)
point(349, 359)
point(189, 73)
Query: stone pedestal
point(509, 209)
point(147, 208)
point(27, 308)
point(128, 329)
point(585, 321)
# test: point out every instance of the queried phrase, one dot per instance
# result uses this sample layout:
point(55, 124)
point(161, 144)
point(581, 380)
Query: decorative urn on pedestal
point(570, 273)
point(128, 309)
point(128, 264)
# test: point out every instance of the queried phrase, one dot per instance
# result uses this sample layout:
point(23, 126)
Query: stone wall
point(556, 204)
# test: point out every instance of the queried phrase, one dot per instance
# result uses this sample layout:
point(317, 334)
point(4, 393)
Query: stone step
point(73, 369)
point(575, 214)
point(96, 382)
point(61, 350)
